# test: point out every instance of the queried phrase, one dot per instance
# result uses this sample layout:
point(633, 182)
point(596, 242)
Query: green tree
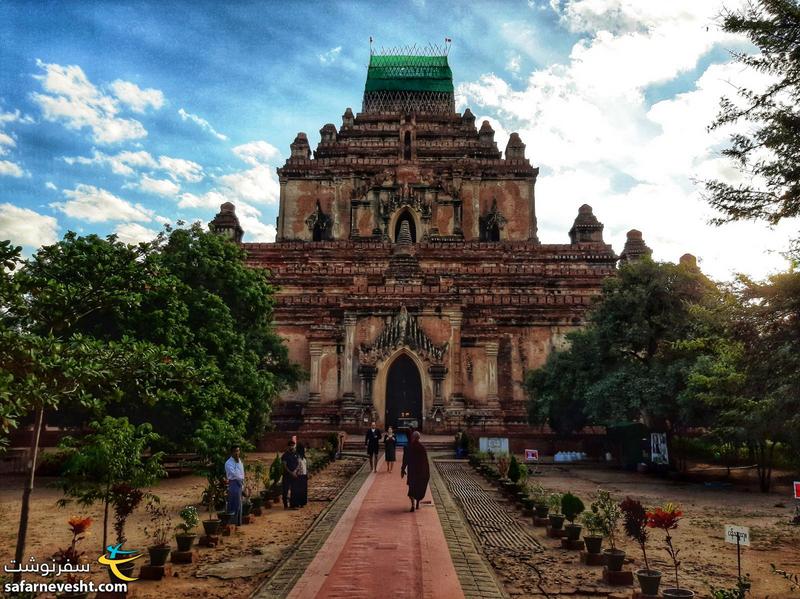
point(624, 364)
point(767, 153)
point(750, 378)
point(104, 465)
point(46, 374)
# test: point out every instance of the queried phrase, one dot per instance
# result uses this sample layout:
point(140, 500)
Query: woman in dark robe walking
point(390, 445)
point(415, 462)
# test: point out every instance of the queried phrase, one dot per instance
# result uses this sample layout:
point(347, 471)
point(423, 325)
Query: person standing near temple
point(300, 485)
point(390, 447)
point(372, 441)
point(291, 465)
point(234, 473)
point(415, 463)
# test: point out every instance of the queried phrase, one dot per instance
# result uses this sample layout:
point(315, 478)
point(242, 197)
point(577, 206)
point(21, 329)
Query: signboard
point(494, 444)
point(658, 448)
point(531, 455)
point(737, 535)
point(796, 489)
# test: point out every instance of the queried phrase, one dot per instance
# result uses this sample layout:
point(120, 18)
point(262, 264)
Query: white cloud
point(256, 152)
point(74, 100)
point(258, 184)
point(210, 199)
point(514, 63)
point(134, 233)
point(129, 163)
point(330, 56)
point(10, 169)
point(97, 205)
point(136, 98)
point(50, 185)
point(254, 229)
point(121, 164)
point(162, 187)
point(6, 140)
point(178, 168)
point(15, 117)
point(204, 124)
point(26, 227)
point(588, 123)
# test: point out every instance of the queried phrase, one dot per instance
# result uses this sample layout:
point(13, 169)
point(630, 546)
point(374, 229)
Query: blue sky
point(118, 117)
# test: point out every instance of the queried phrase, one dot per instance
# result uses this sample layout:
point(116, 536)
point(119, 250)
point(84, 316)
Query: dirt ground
point(706, 558)
point(247, 556)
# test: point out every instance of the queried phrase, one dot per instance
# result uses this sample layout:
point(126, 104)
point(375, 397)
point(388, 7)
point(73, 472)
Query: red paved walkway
point(380, 549)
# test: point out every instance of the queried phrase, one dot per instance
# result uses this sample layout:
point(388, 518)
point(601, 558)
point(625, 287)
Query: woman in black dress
point(390, 444)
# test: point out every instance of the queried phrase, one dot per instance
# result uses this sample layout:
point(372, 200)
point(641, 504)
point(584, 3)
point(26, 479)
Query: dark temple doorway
point(403, 394)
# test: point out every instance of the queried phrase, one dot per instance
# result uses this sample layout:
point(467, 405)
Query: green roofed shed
point(409, 73)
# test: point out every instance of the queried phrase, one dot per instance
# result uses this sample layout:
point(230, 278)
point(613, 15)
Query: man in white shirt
point(234, 472)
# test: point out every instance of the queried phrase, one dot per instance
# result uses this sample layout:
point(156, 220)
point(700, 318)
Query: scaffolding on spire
point(409, 79)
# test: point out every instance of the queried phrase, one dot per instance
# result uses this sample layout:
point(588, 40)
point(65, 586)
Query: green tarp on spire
point(409, 73)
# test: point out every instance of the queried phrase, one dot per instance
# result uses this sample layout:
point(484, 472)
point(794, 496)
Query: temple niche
point(413, 286)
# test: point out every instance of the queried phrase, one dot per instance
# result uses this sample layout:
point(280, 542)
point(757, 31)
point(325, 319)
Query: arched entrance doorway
point(403, 394)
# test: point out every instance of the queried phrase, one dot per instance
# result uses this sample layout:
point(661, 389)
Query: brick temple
point(413, 287)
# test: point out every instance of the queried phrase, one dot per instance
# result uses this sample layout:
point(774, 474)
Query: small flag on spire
point(447, 40)
point(370, 39)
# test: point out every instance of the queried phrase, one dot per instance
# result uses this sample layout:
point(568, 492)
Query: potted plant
point(190, 518)
point(609, 512)
point(666, 518)
point(556, 517)
point(571, 507)
point(210, 498)
point(158, 531)
point(635, 525)
point(275, 476)
point(78, 526)
point(255, 476)
point(539, 496)
point(594, 524)
point(125, 500)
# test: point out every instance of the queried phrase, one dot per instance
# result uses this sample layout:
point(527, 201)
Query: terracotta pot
point(158, 554)
point(615, 558)
point(556, 521)
point(541, 510)
point(677, 593)
point(211, 527)
point(573, 532)
point(125, 569)
point(185, 541)
point(649, 581)
point(225, 517)
point(593, 544)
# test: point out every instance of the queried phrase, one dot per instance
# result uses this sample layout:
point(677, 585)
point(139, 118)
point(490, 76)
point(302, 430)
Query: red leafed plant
point(666, 518)
point(636, 522)
point(71, 555)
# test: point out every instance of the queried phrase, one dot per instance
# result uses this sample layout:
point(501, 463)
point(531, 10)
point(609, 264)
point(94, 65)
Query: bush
point(571, 506)
point(276, 470)
point(514, 472)
point(554, 503)
point(503, 464)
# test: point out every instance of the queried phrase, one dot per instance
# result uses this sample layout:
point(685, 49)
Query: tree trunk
point(105, 524)
point(26, 494)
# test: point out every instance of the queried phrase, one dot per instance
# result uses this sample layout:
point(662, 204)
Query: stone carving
point(319, 224)
point(405, 196)
point(402, 330)
point(492, 223)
